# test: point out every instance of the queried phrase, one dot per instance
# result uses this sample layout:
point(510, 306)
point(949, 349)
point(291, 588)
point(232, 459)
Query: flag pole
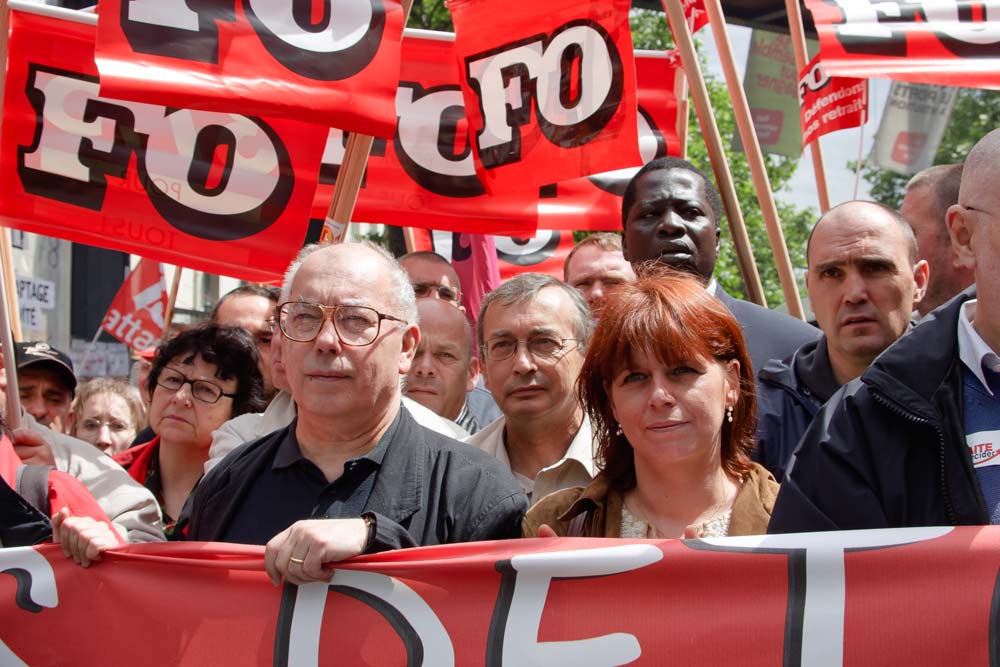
point(798, 34)
point(716, 154)
point(12, 407)
point(168, 316)
point(755, 159)
point(683, 110)
point(349, 176)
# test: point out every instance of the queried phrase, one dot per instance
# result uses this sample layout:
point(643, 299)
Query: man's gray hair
point(524, 287)
point(401, 299)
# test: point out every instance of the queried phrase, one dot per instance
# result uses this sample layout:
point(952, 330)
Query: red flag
point(549, 89)
point(694, 12)
point(829, 103)
point(948, 42)
point(332, 63)
point(221, 193)
point(136, 315)
point(543, 252)
point(475, 262)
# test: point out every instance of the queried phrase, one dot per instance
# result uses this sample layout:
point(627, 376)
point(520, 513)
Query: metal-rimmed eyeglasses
point(445, 292)
point(203, 390)
point(540, 347)
point(356, 326)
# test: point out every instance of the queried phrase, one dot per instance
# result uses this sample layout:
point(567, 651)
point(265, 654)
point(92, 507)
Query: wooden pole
point(755, 160)
point(716, 154)
point(352, 170)
point(797, 33)
point(683, 110)
point(168, 317)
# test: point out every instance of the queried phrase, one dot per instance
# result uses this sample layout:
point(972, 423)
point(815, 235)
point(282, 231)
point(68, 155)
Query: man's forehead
point(593, 259)
point(677, 183)
point(344, 280)
point(245, 310)
point(865, 234)
point(423, 270)
point(551, 309)
point(37, 374)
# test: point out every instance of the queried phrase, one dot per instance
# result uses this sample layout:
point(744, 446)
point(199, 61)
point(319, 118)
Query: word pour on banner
point(217, 192)
point(829, 103)
point(136, 315)
point(948, 42)
point(549, 89)
point(332, 62)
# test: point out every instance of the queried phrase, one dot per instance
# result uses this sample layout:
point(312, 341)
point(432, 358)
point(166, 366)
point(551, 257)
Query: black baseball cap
point(39, 354)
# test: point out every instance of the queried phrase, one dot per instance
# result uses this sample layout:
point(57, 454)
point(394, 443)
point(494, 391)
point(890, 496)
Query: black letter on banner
point(860, 29)
point(533, 254)
point(205, 147)
point(175, 29)
point(583, 131)
point(327, 60)
point(60, 187)
point(428, 124)
point(959, 29)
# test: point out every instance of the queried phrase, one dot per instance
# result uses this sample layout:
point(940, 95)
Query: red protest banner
point(848, 597)
point(331, 63)
point(136, 316)
point(216, 192)
point(829, 103)
point(425, 176)
point(549, 89)
point(543, 252)
point(949, 42)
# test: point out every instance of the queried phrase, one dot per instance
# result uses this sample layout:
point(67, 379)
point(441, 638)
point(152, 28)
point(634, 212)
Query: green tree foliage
point(976, 112)
point(430, 15)
point(650, 31)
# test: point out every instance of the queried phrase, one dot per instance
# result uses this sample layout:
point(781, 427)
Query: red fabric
point(829, 103)
point(475, 262)
point(543, 252)
point(950, 42)
point(136, 316)
point(215, 192)
point(550, 91)
point(136, 460)
point(275, 62)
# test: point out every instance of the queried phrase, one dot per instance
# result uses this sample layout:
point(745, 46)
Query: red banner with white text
point(136, 316)
point(948, 42)
point(334, 63)
point(829, 103)
point(216, 192)
point(838, 598)
point(425, 176)
point(542, 252)
point(549, 89)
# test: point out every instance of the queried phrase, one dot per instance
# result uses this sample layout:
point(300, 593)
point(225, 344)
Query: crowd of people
point(360, 408)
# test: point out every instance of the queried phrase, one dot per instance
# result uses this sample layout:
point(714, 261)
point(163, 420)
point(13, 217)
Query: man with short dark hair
point(912, 441)
point(353, 473)
point(670, 214)
point(251, 307)
point(863, 281)
point(596, 267)
point(46, 384)
point(925, 206)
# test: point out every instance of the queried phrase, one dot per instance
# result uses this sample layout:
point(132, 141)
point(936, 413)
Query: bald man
point(863, 279)
point(444, 367)
point(911, 442)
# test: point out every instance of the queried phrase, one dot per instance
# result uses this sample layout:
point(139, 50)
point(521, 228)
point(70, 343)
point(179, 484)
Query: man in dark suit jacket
point(670, 214)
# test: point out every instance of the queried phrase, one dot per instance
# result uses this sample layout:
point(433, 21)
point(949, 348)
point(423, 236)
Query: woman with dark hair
point(203, 376)
point(669, 390)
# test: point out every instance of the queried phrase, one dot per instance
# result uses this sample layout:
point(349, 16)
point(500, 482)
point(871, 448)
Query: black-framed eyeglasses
point(446, 292)
point(203, 390)
point(356, 326)
point(540, 347)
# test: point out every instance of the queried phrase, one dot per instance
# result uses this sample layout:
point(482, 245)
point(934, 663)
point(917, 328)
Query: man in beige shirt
point(532, 333)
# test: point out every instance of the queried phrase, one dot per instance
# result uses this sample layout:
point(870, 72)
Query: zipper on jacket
point(945, 493)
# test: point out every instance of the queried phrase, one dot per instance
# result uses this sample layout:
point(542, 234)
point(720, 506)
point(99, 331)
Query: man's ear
point(473, 374)
point(959, 228)
point(411, 338)
point(921, 276)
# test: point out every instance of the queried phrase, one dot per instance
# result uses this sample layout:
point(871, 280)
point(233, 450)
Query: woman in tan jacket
point(669, 389)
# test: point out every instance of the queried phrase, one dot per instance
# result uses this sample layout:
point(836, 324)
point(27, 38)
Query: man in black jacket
point(353, 473)
point(670, 214)
point(911, 442)
point(863, 280)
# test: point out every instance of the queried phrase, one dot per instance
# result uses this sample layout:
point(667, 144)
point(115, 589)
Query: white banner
point(913, 124)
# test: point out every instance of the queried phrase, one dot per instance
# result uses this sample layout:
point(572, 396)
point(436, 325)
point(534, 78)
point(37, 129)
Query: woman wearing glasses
point(669, 390)
point(107, 413)
point(200, 378)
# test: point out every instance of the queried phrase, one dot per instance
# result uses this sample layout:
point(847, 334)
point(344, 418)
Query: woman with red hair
point(669, 389)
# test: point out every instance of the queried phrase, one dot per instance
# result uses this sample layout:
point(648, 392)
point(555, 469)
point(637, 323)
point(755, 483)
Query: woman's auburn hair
point(673, 316)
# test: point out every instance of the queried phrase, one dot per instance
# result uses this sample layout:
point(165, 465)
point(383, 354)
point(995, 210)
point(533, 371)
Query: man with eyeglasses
point(353, 473)
point(532, 333)
point(913, 441)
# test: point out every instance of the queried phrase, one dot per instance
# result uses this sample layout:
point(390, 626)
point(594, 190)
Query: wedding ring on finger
point(297, 561)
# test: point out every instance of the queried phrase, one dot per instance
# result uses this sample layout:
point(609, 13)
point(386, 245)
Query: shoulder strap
point(33, 485)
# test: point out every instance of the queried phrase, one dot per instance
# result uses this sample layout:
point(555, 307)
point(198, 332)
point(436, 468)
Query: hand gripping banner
point(217, 192)
point(852, 598)
point(549, 89)
point(331, 62)
point(425, 177)
point(949, 42)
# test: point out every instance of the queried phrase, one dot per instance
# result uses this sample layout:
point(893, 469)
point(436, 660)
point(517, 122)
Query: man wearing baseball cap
point(46, 383)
